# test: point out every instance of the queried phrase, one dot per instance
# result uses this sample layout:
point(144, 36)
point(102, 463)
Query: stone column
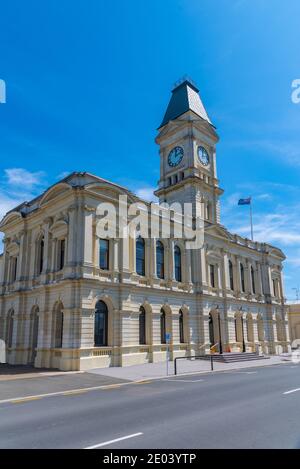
point(248, 282)
point(47, 246)
point(88, 236)
point(259, 279)
point(237, 272)
point(188, 266)
point(148, 256)
point(170, 260)
point(22, 257)
point(71, 242)
point(226, 280)
point(153, 257)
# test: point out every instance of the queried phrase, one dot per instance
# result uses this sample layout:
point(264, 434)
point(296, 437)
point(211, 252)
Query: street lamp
point(244, 345)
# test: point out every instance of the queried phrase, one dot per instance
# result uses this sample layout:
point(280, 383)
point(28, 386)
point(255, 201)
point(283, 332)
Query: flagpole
point(251, 221)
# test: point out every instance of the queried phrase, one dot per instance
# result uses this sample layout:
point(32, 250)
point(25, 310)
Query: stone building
point(294, 322)
point(71, 300)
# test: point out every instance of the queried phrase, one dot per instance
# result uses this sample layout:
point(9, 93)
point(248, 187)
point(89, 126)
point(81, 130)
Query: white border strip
point(110, 442)
point(292, 390)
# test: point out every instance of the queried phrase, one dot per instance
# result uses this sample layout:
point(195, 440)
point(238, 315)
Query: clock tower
point(187, 141)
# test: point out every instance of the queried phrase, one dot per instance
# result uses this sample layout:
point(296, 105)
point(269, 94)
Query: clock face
point(175, 156)
point(203, 156)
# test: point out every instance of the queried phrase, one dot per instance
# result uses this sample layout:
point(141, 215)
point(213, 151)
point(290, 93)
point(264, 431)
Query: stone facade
point(294, 321)
point(59, 309)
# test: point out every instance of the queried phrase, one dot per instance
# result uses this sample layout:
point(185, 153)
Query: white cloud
point(27, 179)
point(63, 175)
point(146, 193)
point(19, 185)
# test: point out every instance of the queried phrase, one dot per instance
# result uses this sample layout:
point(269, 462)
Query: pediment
point(110, 190)
point(10, 218)
point(218, 231)
point(54, 192)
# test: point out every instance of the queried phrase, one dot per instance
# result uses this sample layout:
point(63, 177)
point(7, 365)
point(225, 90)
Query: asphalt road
point(234, 409)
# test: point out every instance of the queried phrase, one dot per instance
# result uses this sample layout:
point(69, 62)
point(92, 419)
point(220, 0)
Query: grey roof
point(185, 97)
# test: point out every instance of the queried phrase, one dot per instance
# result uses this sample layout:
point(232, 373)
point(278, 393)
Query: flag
point(245, 201)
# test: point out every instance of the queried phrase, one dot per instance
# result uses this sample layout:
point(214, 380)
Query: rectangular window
point(61, 256)
point(212, 275)
point(14, 261)
point(104, 254)
point(274, 287)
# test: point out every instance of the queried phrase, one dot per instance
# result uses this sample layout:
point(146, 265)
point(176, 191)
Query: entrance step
point(230, 357)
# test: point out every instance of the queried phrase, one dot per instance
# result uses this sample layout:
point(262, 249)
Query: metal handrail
point(217, 343)
point(196, 357)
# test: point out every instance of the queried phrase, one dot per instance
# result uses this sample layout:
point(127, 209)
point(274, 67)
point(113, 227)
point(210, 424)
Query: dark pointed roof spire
point(185, 97)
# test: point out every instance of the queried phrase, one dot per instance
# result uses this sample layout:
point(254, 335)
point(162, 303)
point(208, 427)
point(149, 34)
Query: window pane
point(101, 316)
point(177, 262)
point(231, 275)
point(181, 329)
point(41, 260)
point(104, 254)
point(140, 256)
point(61, 254)
point(163, 327)
point(242, 278)
point(212, 276)
point(142, 326)
point(160, 260)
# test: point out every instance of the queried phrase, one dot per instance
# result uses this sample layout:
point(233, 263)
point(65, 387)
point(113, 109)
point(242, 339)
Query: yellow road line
point(74, 393)
point(25, 399)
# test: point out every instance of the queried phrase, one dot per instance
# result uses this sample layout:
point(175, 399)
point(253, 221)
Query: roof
point(185, 97)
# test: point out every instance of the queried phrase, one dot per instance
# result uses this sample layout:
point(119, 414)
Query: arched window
point(181, 327)
point(252, 280)
point(177, 263)
point(231, 281)
point(242, 272)
point(41, 248)
point(160, 260)
point(140, 256)
point(142, 326)
point(59, 326)
point(101, 325)
point(162, 326)
point(9, 328)
point(104, 254)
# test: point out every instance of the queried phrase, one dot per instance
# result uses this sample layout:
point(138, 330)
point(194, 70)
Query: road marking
point(61, 393)
point(292, 390)
point(184, 380)
point(25, 399)
point(112, 386)
point(74, 393)
point(110, 442)
point(143, 382)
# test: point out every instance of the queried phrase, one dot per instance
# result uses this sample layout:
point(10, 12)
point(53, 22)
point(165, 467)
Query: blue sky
point(88, 83)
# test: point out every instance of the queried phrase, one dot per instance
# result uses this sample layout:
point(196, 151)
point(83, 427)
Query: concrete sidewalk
point(20, 383)
point(159, 370)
